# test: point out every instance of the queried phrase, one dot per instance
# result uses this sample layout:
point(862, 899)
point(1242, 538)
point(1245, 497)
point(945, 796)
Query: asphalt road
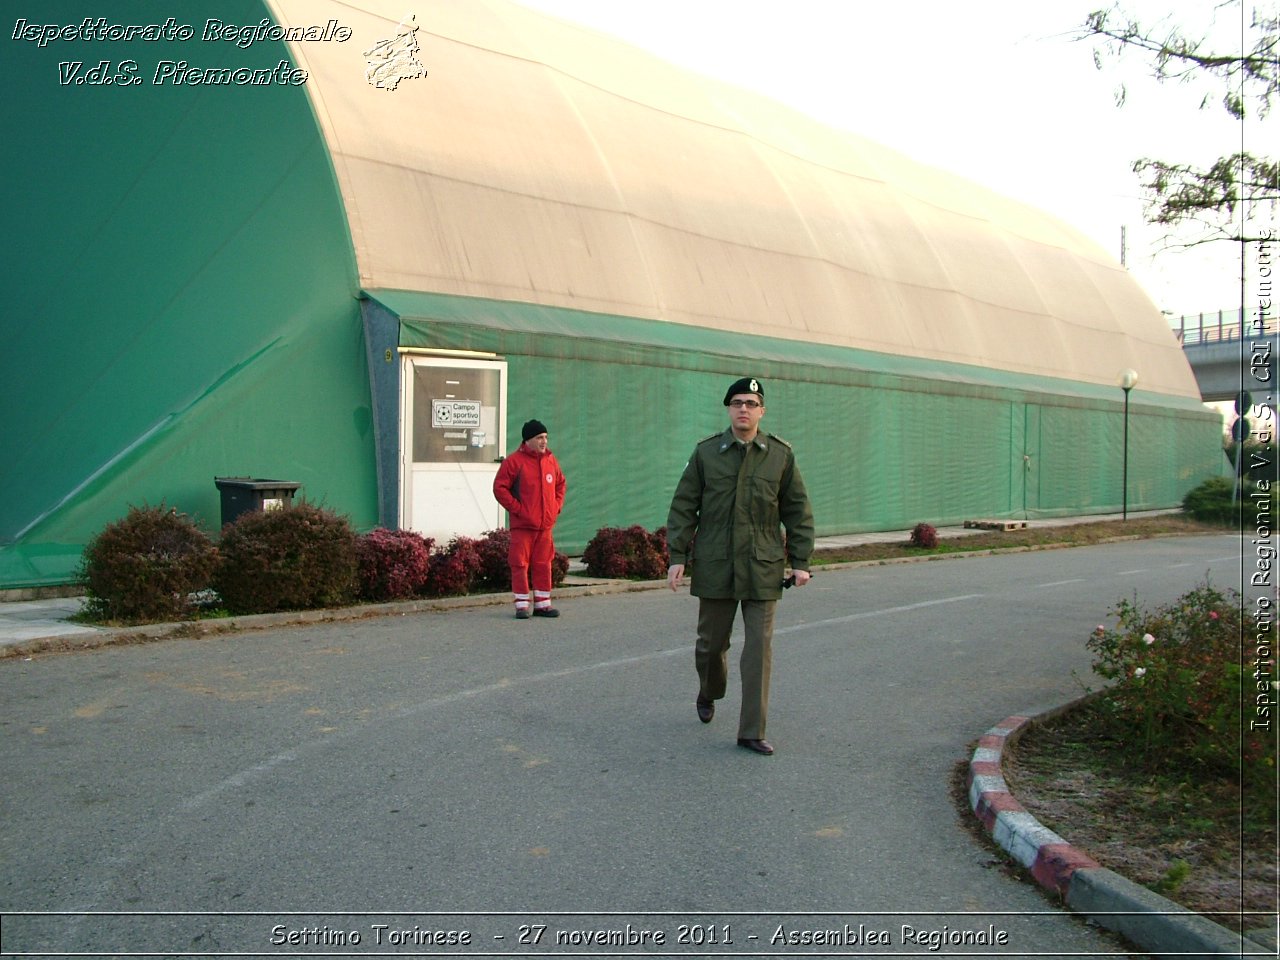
point(290, 786)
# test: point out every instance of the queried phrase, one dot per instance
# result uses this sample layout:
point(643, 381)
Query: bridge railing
point(1222, 327)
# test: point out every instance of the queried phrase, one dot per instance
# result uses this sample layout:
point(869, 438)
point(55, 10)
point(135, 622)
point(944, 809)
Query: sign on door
point(455, 413)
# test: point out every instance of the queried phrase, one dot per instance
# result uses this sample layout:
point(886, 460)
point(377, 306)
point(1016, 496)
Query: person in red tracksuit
point(530, 486)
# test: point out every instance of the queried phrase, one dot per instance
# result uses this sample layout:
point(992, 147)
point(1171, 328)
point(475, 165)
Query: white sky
point(995, 91)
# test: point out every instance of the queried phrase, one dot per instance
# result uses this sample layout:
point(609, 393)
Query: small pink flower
point(1213, 614)
point(1148, 639)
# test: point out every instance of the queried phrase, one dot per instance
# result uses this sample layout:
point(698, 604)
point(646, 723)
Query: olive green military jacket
point(728, 513)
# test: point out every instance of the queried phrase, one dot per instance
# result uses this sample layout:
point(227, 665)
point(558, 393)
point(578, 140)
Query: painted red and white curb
point(1049, 858)
point(1155, 924)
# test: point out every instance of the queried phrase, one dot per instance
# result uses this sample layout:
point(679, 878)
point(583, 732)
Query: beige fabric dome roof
point(545, 163)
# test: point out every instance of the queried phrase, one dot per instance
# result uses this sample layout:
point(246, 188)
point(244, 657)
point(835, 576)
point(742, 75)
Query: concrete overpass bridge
point(1228, 354)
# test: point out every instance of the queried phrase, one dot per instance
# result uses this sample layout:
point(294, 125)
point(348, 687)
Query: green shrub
point(146, 567)
point(1178, 685)
point(1211, 501)
point(1177, 874)
point(1257, 459)
point(296, 558)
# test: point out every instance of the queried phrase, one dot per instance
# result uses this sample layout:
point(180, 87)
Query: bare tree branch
point(1223, 199)
point(1174, 55)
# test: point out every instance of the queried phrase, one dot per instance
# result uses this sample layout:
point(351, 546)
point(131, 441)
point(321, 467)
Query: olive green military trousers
point(711, 656)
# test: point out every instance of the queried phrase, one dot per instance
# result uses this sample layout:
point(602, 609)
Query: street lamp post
point(1128, 378)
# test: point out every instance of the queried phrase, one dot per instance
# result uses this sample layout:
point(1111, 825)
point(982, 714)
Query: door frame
point(410, 359)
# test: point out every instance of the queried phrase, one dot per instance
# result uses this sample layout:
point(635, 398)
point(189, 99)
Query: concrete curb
point(1152, 922)
point(111, 636)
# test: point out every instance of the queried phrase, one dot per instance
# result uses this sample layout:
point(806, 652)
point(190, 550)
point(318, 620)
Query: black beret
point(745, 385)
point(532, 429)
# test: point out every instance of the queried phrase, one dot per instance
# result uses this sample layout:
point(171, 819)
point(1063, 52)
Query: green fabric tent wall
point(181, 294)
point(884, 441)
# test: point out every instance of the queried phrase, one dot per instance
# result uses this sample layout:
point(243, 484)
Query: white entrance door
point(451, 441)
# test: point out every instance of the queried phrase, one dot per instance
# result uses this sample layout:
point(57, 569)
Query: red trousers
point(530, 558)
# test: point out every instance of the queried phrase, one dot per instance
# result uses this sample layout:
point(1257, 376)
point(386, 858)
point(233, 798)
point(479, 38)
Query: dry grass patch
point(1079, 534)
point(1203, 843)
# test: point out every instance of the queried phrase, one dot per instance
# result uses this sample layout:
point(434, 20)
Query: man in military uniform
point(738, 491)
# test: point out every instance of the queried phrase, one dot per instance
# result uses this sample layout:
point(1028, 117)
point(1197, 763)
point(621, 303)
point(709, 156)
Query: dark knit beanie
point(532, 429)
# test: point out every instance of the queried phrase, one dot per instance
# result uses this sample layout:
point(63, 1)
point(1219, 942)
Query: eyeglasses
point(749, 404)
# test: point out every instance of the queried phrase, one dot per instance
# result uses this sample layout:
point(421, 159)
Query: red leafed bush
point(559, 568)
point(297, 558)
point(495, 566)
point(146, 567)
point(631, 553)
point(454, 569)
point(393, 564)
point(495, 569)
point(925, 536)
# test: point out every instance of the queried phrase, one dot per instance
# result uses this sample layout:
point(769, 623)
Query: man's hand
point(802, 577)
point(675, 575)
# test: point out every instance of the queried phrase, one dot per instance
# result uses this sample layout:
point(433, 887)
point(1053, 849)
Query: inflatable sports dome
point(334, 245)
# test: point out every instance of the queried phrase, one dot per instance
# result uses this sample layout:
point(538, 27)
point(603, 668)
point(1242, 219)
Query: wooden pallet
point(995, 524)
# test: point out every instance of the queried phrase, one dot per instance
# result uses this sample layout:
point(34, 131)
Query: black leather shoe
point(759, 746)
point(522, 614)
point(546, 612)
point(706, 708)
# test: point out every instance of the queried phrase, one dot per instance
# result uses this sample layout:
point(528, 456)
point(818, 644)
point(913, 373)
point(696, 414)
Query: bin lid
point(255, 483)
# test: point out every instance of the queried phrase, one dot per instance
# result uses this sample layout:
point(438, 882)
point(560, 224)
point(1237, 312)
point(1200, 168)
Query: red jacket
point(531, 488)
